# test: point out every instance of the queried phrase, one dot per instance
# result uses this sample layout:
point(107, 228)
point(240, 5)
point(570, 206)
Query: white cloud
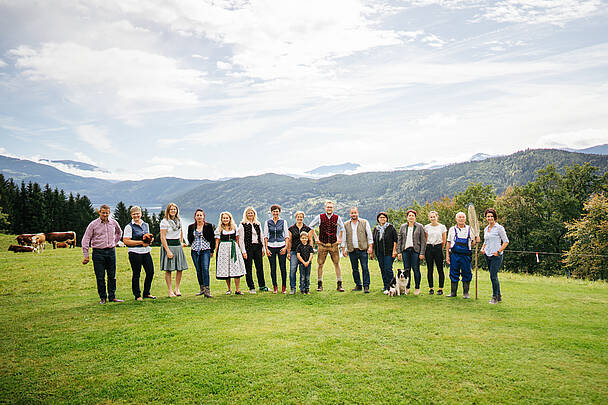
point(81, 157)
point(577, 139)
point(434, 41)
point(114, 79)
point(95, 136)
point(556, 12)
point(223, 65)
point(2, 63)
point(277, 39)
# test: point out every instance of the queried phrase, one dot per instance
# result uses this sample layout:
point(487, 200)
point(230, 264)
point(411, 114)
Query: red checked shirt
point(101, 235)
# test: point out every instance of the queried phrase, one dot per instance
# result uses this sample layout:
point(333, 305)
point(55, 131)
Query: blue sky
point(212, 89)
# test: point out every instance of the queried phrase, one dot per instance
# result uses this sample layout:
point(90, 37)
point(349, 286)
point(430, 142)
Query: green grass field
point(546, 343)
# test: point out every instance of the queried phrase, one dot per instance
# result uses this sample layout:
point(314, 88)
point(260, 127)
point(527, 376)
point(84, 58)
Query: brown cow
point(19, 248)
point(39, 241)
point(25, 239)
point(71, 243)
point(61, 245)
point(53, 237)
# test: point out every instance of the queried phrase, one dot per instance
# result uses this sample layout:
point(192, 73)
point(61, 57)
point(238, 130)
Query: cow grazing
point(19, 248)
point(39, 241)
point(25, 239)
point(61, 245)
point(53, 237)
point(71, 243)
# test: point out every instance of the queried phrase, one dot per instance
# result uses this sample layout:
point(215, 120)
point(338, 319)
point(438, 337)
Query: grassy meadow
point(546, 343)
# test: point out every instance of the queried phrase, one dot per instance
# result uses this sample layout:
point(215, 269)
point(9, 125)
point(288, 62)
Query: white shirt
point(241, 233)
point(317, 220)
point(368, 232)
point(171, 234)
point(409, 240)
point(434, 233)
point(462, 233)
point(128, 233)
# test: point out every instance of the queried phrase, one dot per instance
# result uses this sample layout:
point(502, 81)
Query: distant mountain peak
point(334, 169)
point(479, 156)
point(77, 165)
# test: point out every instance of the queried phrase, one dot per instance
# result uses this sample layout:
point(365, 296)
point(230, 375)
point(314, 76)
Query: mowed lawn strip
point(546, 343)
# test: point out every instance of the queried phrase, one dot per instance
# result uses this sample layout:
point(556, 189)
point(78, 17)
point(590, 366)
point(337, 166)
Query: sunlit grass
point(548, 341)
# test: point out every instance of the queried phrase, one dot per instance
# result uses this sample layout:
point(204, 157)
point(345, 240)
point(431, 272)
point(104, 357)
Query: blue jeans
point(494, 263)
point(355, 257)
point(201, 259)
point(274, 252)
point(386, 269)
point(411, 260)
point(304, 276)
point(293, 270)
point(104, 260)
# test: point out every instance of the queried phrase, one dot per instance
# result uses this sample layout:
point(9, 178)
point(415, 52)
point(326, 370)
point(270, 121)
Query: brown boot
point(339, 287)
point(207, 293)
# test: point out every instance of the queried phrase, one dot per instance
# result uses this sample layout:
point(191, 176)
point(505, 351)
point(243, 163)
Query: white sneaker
point(252, 291)
point(228, 292)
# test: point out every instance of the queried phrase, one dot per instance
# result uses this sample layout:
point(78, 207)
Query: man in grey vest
point(358, 242)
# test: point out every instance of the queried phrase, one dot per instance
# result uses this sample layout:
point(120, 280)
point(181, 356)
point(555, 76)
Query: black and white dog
point(398, 284)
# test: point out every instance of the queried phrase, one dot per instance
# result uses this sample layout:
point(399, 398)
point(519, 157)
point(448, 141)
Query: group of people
point(238, 249)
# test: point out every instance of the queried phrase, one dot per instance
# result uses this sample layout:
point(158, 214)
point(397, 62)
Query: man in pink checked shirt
point(102, 235)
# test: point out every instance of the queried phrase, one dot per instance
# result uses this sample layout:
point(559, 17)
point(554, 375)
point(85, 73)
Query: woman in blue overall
point(460, 240)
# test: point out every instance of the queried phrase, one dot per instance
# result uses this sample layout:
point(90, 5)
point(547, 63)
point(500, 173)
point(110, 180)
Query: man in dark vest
point(358, 242)
point(329, 239)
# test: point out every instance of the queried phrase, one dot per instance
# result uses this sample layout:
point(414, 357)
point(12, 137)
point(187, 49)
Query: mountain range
point(371, 191)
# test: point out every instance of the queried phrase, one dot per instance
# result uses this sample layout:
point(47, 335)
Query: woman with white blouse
point(172, 256)
point(435, 243)
point(228, 258)
point(251, 243)
point(495, 241)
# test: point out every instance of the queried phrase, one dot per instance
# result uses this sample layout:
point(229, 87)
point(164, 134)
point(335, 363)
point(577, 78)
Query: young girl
point(228, 257)
point(172, 256)
point(304, 252)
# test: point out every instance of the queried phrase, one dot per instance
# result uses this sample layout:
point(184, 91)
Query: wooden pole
point(475, 271)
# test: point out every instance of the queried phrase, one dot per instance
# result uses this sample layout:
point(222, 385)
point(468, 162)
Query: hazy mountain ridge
point(375, 191)
point(149, 191)
point(371, 191)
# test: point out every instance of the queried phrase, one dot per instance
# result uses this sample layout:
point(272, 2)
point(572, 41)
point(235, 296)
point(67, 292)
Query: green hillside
point(375, 191)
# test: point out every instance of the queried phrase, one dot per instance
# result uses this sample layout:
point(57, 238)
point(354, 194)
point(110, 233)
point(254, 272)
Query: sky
point(215, 89)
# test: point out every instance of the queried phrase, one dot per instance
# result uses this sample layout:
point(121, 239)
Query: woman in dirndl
point(172, 256)
point(228, 257)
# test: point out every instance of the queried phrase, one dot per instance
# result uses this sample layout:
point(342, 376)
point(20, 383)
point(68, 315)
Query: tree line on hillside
point(27, 208)
point(123, 217)
point(561, 215)
point(558, 215)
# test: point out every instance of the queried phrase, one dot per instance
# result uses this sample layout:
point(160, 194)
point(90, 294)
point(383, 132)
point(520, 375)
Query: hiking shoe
point(440, 292)
point(493, 301)
point(366, 290)
point(264, 289)
point(319, 285)
point(431, 291)
point(357, 288)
